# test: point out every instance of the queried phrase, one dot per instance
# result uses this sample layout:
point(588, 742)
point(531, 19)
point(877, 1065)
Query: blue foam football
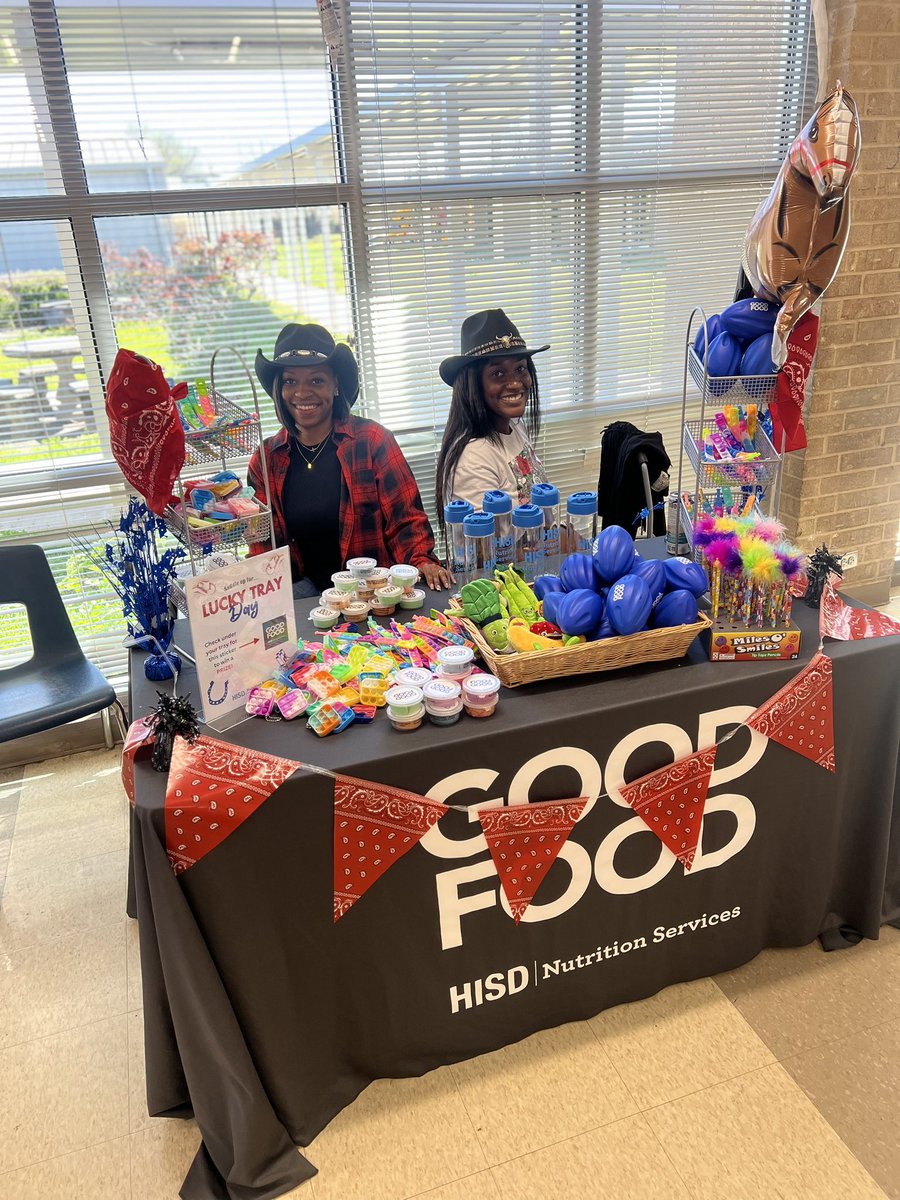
point(724, 356)
point(628, 605)
point(614, 553)
point(757, 358)
point(653, 573)
point(749, 318)
point(676, 608)
point(683, 573)
point(713, 329)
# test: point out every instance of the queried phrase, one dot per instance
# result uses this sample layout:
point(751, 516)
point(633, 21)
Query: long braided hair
point(469, 417)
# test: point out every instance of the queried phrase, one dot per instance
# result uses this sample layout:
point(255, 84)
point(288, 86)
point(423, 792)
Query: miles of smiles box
point(730, 641)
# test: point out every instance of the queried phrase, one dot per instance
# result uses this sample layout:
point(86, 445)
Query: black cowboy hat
point(309, 346)
point(488, 334)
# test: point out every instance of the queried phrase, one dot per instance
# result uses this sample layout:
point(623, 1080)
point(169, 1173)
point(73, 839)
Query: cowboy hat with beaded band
point(309, 346)
point(484, 335)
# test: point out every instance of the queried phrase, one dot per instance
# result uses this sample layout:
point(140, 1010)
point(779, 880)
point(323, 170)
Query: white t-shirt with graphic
point(509, 464)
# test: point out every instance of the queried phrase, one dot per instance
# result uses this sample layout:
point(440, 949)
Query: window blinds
point(590, 168)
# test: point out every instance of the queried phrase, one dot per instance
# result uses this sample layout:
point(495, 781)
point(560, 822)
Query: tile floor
point(781, 1079)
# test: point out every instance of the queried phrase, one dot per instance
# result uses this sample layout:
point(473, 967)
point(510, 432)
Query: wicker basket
point(654, 645)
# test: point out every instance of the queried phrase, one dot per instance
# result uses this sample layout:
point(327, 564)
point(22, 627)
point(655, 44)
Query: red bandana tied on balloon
point(145, 429)
point(213, 788)
point(524, 841)
point(671, 801)
point(374, 826)
point(801, 715)
point(786, 408)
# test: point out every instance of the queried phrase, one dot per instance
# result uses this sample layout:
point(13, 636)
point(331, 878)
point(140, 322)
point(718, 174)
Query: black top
point(312, 509)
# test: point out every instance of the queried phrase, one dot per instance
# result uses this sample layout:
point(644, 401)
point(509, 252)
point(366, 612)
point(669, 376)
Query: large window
point(177, 177)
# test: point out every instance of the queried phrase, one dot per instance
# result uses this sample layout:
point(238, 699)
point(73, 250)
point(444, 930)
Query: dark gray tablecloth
point(265, 1018)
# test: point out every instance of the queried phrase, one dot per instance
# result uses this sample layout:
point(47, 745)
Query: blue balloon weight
point(757, 358)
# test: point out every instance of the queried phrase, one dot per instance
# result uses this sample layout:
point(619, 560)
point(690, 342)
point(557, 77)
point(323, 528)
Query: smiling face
point(308, 396)
point(506, 384)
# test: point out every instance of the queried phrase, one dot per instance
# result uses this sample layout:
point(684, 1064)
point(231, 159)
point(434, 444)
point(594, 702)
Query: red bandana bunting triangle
point(374, 826)
point(671, 801)
point(801, 715)
point(524, 841)
point(213, 788)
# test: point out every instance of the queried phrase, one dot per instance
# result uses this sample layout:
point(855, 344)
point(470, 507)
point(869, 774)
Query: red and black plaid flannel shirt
point(381, 510)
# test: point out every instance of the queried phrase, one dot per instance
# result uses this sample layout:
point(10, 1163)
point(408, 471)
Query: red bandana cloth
point(786, 408)
point(671, 801)
point(374, 826)
point(213, 788)
point(524, 841)
point(145, 429)
point(138, 744)
point(839, 621)
point(801, 715)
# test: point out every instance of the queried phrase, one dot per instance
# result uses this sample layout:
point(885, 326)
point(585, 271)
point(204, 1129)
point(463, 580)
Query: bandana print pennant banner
point(839, 621)
point(138, 744)
point(524, 841)
point(213, 788)
point(374, 826)
point(671, 801)
point(801, 715)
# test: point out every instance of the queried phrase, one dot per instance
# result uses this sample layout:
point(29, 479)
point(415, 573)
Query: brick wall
point(844, 489)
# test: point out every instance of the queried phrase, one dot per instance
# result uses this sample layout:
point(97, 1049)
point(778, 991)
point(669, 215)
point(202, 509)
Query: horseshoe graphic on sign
point(222, 698)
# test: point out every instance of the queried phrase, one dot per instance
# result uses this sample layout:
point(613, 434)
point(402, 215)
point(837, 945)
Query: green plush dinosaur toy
point(481, 604)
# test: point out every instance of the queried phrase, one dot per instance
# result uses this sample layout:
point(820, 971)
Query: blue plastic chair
point(57, 684)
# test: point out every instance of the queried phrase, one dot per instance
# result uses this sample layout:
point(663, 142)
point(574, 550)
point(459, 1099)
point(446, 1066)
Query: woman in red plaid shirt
point(339, 485)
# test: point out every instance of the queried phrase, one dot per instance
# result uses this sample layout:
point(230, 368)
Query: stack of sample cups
point(443, 701)
point(405, 707)
point(455, 662)
point(480, 695)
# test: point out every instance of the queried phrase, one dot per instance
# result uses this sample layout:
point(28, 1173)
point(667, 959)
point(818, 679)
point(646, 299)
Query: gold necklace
point(318, 450)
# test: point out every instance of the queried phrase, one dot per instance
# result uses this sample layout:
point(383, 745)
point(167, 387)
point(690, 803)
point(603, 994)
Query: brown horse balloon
point(794, 245)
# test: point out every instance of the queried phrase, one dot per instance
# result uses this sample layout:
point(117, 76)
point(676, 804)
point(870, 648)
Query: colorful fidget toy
point(364, 713)
point(372, 689)
point(330, 717)
point(322, 684)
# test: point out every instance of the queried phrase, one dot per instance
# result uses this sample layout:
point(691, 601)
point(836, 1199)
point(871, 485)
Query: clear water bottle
point(454, 514)
point(581, 522)
point(500, 504)
point(546, 497)
point(478, 532)
point(528, 524)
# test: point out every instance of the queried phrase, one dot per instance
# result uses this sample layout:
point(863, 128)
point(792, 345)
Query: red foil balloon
point(795, 242)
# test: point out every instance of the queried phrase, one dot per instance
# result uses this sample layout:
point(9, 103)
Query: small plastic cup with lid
point(412, 599)
point(380, 577)
point(481, 694)
point(456, 660)
point(443, 701)
point(361, 568)
point(355, 610)
point(324, 618)
point(403, 701)
point(344, 581)
point(404, 576)
point(389, 596)
point(408, 723)
point(364, 589)
point(379, 607)
point(412, 677)
point(333, 598)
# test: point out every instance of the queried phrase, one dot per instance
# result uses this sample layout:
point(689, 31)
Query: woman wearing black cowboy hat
point(494, 414)
point(339, 485)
